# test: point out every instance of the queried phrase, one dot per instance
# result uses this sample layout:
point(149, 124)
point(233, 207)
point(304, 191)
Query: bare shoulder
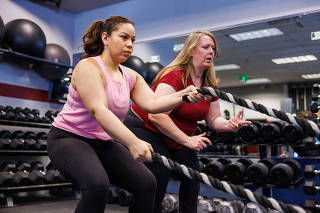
point(132, 73)
point(87, 64)
point(86, 69)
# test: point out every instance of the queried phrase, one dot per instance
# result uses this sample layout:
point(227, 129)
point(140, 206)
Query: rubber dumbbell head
point(216, 168)
point(310, 187)
point(258, 173)
point(284, 173)
point(248, 132)
point(236, 171)
point(311, 205)
point(292, 133)
point(124, 197)
point(310, 171)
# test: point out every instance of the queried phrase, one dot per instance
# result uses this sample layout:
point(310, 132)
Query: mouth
point(127, 52)
point(209, 60)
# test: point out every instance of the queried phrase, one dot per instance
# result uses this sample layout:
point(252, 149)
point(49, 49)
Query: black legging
point(90, 164)
point(189, 189)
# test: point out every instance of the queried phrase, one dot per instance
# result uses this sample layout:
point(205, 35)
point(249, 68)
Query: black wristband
point(185, 98)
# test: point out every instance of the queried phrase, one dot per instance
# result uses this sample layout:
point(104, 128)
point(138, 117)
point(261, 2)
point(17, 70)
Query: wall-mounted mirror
point(276, 52)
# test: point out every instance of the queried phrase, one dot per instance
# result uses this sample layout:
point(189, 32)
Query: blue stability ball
point(136, 64)
point(57, 54)
point(26, 37)
point(152, 70)
point(1, 29)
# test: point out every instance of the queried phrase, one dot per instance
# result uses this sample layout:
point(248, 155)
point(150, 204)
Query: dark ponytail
point(92, 41)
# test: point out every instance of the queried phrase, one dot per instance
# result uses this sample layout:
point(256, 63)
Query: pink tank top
point(75, 118)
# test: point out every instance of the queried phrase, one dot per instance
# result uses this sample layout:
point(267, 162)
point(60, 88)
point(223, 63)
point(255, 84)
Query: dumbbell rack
point(268, 189)
point(6, 193)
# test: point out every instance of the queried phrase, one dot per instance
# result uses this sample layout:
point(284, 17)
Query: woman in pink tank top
point(88, 142)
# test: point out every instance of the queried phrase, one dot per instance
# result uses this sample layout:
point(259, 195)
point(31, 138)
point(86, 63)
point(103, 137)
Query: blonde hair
point(183, 61)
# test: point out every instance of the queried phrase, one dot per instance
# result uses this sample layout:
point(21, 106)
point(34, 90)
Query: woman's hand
point(197, 142)
point(193, 95)
point(236, 123)
point(141, 151)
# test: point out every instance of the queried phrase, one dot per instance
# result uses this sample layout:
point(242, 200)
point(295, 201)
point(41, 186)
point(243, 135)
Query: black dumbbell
point(17, 134)
point(30, 135)
point(292, 133)
point(16, 144)
point(51, 115)
point(19, 115)
point(311, 206)
point(16, 141)
point(36, 115)
point(124, 197)
point(113, 195)
point(7, 170)
point(249, 132)
point(5, 136)
point(28, 113)
point(284, 173)
point(37, 173)
point(42, 141)
point(2, 112)
point(310, 187)
point(19, 172)
point(258, 173)
point(30, 140)
point(310, 171)
point(236, 171)
point(271, 132)
point(45, 119)
point(216, 168)
point(10, 115)
point(50, 176)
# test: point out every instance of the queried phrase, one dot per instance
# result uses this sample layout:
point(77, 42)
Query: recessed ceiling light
point(295, 59)
point(268, 32)
point(226, 67)
point(258, 81)
point(311, 76)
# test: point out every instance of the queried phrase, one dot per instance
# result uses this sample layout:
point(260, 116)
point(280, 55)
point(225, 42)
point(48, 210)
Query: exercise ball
point(137, 64)
point(57, 54)
point(1, 29)
point(26, 37)
point(152, 70)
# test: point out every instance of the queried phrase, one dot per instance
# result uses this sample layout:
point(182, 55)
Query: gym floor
point(50, 205)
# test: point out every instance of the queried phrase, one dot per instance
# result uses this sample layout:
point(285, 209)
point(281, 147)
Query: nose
point(129, 43)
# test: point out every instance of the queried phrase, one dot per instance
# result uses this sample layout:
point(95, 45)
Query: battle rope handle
point(308, 126)
point(226, 187)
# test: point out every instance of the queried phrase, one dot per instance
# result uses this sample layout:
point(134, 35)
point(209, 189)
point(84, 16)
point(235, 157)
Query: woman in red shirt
point(171, 133)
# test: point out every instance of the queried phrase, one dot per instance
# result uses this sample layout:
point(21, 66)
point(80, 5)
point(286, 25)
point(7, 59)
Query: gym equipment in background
point(137, 64)
point(1, 29)
point(153, 68)
point(56, 54)
point(285, 173)
point(25, 36)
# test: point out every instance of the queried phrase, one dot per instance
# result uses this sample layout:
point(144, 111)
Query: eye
point(205, 47)
point(133, 40)
point(124, 37)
